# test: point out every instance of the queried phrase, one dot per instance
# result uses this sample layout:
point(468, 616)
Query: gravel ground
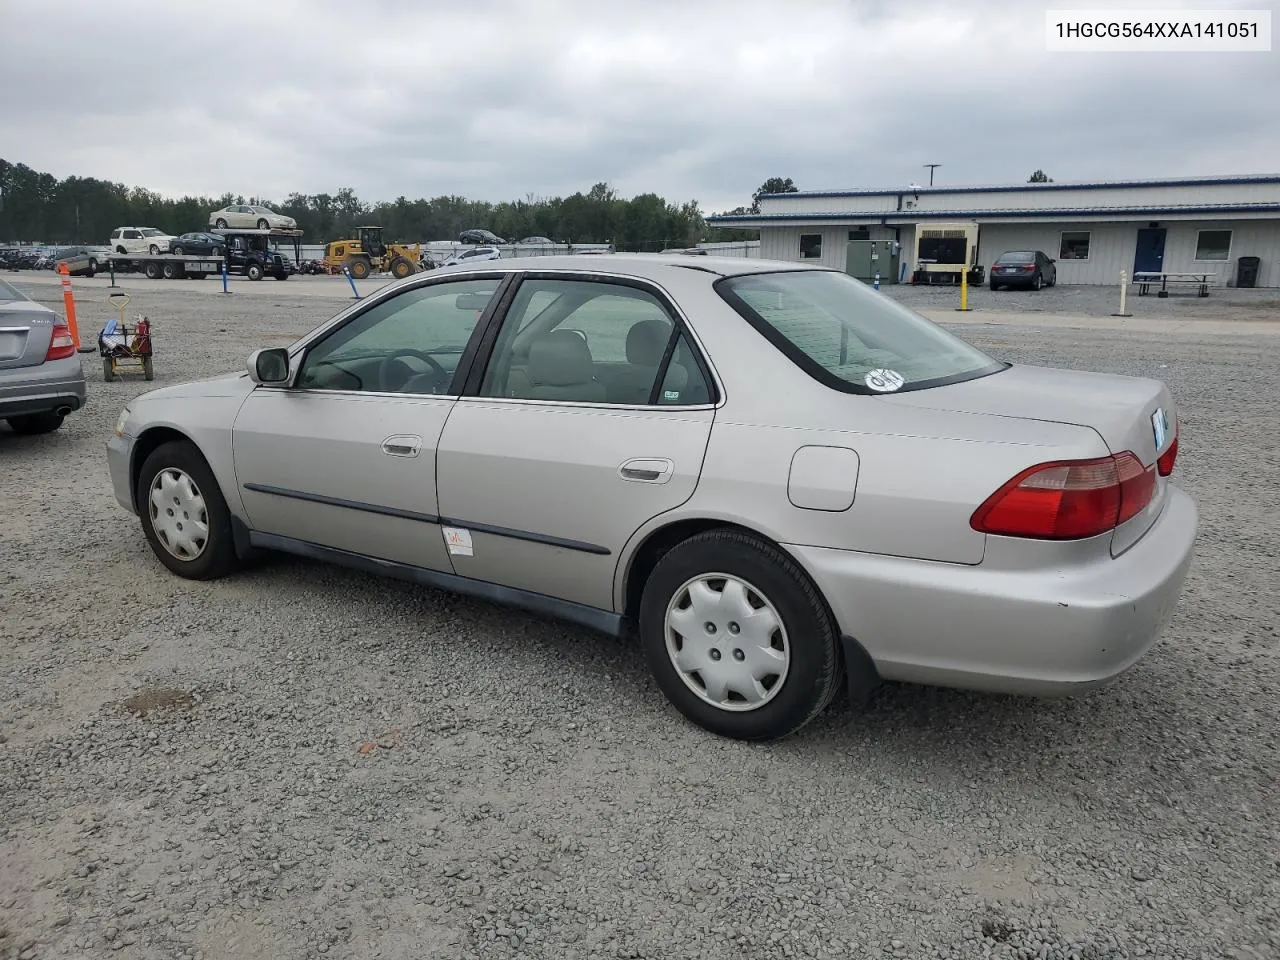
point(301, 761)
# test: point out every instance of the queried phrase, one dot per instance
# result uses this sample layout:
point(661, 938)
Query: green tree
point(1040, 177)
point(772, 185)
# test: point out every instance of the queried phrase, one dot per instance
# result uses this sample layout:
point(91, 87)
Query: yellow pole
point(964, 291)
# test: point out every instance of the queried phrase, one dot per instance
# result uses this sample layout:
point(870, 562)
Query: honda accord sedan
point(783, 482)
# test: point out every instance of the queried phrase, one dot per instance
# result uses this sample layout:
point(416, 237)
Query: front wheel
point(738, 638)
point(253, 271)
point(154, 250)
point(34, 423)
point(263, 225)
point(184, 515)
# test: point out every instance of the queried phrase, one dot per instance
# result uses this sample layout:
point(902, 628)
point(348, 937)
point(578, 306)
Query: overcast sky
point(700, 99)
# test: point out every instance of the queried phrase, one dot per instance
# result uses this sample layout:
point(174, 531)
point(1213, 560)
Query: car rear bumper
point(1013, 279)
point(43, 389)
point(119, 463)
point(1038, 632)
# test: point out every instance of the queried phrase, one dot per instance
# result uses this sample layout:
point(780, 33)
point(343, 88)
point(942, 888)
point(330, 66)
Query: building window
point(1213, 245)
point(861, 233)
point(1075, 246)
point(810, 246)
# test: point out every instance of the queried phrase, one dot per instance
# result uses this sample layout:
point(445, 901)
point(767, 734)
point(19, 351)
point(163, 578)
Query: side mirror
point(269, 365)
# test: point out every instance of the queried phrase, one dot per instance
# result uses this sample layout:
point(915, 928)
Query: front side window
point(850, 337)
point(1213, 245)
point(810, 246)
point(590, 342)
point(1075, 245)
point(411, 343)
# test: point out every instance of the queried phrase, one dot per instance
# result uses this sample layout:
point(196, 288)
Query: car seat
point(561, 368)
point(646, 341)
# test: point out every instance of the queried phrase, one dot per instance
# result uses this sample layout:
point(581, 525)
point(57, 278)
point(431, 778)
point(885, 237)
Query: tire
point(121, 250)
point(171, 271)
point(1037, 282)
point(152, 271)
point(281, 276)
point(812, 673)
point(360, 269)
point(176, 251)
point(108, 370)
point(209, 557)
point(401, 268)
point(220, 224)
point(253, 271)
point(263, 225)
point(148, 369)
point(93, 266)
point(196, 276)
point(994, 285)
point(34, 423)
point(153, 250)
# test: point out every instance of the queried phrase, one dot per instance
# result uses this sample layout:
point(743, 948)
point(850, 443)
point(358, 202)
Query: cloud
point(497, 99)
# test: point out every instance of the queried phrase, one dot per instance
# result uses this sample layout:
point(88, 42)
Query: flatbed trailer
point(170, 266)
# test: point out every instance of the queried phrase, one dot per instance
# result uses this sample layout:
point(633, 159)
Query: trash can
point(1247, 273)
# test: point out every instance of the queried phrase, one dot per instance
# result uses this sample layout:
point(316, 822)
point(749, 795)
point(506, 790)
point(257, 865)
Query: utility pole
point(931, 167)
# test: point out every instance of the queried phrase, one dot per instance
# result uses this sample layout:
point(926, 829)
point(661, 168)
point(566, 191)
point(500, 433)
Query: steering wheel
point(385, 368)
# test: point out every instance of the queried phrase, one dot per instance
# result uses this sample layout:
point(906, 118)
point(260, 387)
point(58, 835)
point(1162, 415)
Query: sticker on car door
point(458, 541)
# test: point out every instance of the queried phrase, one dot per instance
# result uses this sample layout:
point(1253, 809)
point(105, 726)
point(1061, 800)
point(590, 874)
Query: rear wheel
point(994, 285)
point(176, 251)
point(738, 638)
point(360, 269)
point(220, 224)
point(152, 270)
point(171, 271)
point(93, 266)
point(184, 515)
point(34, 423)
point(1037, 282)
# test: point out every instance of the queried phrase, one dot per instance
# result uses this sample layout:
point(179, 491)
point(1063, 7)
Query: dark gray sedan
point(199, 243)
point(41, 380)
point(1023, 268)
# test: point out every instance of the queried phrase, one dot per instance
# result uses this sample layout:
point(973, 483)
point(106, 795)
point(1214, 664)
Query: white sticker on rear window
point(885, 381)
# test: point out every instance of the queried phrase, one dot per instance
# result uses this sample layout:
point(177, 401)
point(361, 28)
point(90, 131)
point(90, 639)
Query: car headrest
point(645, 342)
point(559, 359)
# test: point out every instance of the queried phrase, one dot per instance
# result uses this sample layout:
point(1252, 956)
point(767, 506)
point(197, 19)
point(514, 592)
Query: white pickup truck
point(139, 240)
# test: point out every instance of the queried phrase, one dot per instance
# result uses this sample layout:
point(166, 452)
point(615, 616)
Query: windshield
point(9, 293)
point(1018, 257)
point(850, 337)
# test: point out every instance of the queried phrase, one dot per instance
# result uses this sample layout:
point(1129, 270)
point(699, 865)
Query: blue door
point(1149, 257)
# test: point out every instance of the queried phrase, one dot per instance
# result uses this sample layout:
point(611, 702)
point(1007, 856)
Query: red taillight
point(61, 345)
point(1028, 266)
point(1068, 500)
point(1168, 458)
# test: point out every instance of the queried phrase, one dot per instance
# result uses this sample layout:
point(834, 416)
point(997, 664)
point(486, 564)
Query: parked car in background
point(41, 380)
point(250, 217)
point(139, 240)
point(1023, 268)
point(474, 254)
point(481, 237)
point(199, 243)
point(80, 261)
point(784, 481)
point(539, 241)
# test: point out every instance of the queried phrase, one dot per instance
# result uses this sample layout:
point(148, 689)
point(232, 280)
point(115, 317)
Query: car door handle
point(402, 446)
point(647, 471)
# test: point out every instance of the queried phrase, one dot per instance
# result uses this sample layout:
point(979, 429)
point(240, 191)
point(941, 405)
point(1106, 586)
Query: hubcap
point(178, 514)
point(727, 642)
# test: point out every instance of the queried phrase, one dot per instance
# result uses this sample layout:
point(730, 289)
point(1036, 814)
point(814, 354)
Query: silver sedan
point(783, 481)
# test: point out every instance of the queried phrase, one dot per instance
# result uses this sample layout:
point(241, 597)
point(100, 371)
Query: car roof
point(650, 266)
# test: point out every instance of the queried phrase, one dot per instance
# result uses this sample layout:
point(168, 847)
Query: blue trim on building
point(1013, 188)
point(1022, 213)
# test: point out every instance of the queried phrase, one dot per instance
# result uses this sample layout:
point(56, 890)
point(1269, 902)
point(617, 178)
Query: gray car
point(784, 481)
point(41, 380)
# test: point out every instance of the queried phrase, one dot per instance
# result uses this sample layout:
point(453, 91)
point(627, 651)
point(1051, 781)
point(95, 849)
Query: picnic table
point(1146, 280)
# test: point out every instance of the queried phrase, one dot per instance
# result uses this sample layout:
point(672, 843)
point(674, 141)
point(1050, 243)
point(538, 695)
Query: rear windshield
point(1021, 256)
point(8, 293)
point(849, 336)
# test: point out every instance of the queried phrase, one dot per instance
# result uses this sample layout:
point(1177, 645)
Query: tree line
point(38, 207)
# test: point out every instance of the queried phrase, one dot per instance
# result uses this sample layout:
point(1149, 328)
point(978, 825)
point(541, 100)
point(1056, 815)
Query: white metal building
point(1093, 230)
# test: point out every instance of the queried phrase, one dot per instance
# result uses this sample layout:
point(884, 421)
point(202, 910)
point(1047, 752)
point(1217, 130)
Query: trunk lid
point(26, 328)
point(1129, 413)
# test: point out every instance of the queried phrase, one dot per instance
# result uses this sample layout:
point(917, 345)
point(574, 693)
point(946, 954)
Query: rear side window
point(849, 337)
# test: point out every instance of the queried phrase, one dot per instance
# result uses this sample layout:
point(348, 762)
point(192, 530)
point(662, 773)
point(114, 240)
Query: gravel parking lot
point(300, 761)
